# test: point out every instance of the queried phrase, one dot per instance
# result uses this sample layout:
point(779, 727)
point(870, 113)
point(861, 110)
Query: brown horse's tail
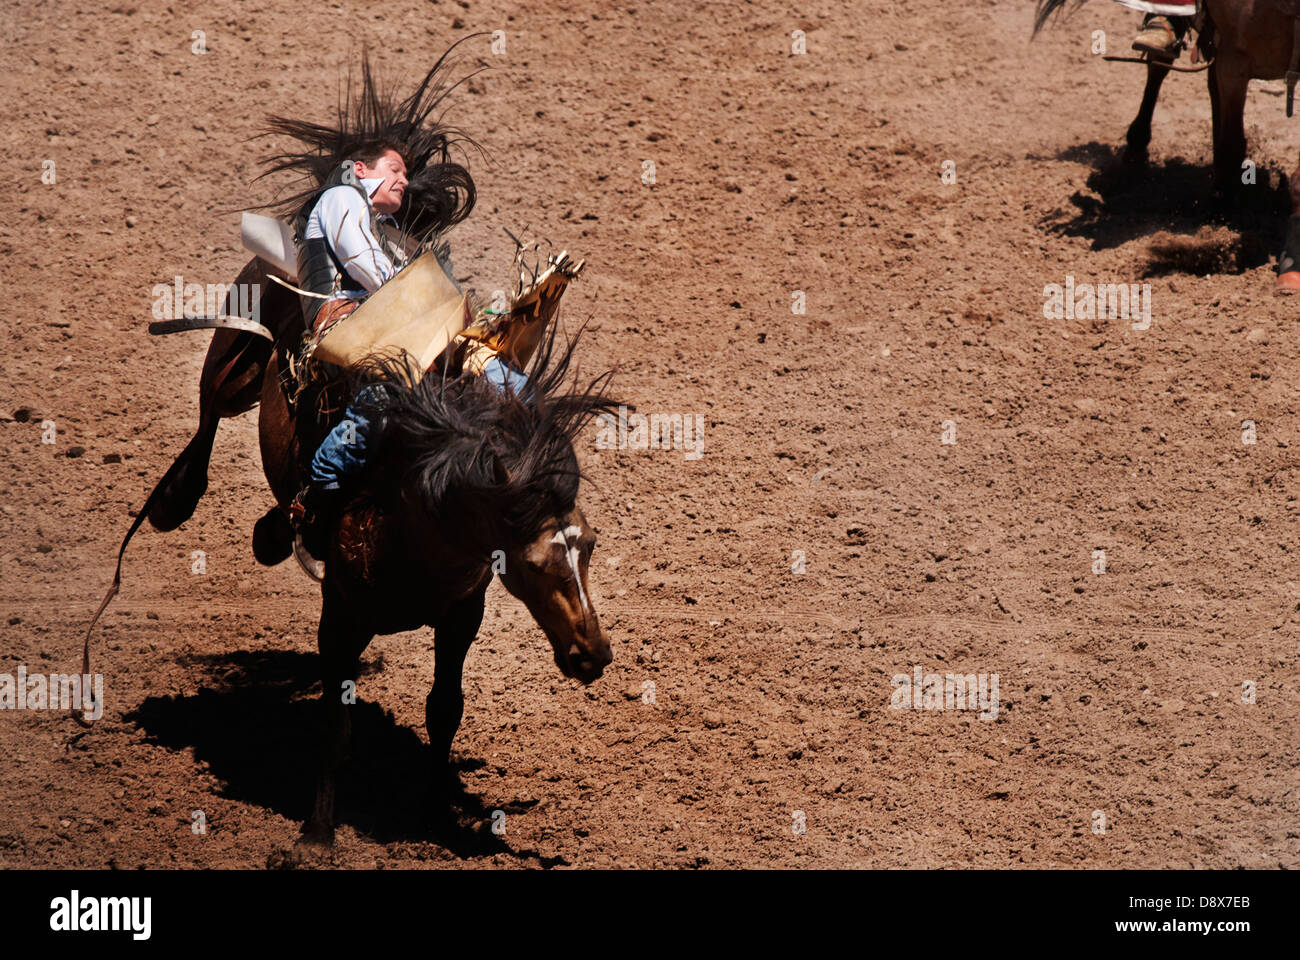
point(163, 508)
point(149, 503)
point(1046, 8)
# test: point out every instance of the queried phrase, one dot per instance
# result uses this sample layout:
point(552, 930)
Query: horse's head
point(549, 574)
point(492, 473)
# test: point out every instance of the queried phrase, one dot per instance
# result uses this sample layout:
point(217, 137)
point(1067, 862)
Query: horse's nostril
point(589, 670)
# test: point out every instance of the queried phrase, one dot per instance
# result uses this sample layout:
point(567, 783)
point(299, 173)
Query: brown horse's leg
point(1139, 131)
point(229, 385)
point(1229, 78)
point(445, 705)
point(234, 362)
point(276, 426)
point(1288, 265)
point(340, 643)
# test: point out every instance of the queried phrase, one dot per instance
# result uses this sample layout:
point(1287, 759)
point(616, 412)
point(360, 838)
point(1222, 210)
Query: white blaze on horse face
point(571, 551)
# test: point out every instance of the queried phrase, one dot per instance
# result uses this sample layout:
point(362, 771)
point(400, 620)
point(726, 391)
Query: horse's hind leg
point(445, 705)
point(340, 644)
point(229, 386)
point(185, 481)
point(1139, 131)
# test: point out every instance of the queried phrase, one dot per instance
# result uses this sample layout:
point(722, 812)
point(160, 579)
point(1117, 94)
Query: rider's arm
point(345, 222)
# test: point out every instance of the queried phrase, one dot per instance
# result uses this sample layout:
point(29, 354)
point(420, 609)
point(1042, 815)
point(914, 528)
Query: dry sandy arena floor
point(1121, 738)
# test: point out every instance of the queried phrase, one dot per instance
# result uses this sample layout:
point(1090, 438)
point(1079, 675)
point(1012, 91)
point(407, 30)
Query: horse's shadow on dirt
point(1173, 197)
point(258, 730)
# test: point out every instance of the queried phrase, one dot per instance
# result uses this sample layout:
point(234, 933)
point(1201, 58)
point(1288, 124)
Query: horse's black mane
point(441, 192)
point(472, 456)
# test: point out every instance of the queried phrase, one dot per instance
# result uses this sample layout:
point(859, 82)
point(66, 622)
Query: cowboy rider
point(343, 253)
point(344, 256)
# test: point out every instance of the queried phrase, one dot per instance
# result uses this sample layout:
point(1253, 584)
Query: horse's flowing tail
point(1046, 8)
point(171, 502)
point(150, 502)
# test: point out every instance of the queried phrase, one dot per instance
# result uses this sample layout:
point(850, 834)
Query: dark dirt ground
point(820, 173)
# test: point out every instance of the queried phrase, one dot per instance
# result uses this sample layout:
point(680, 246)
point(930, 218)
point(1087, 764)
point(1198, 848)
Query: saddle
point(422, 313)
point(418, 312)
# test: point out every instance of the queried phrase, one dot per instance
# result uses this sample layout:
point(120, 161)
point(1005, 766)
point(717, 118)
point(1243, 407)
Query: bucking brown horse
point(467, 480)
point(1244, 40)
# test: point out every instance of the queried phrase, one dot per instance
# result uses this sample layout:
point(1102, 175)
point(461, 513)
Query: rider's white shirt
point(343, 218)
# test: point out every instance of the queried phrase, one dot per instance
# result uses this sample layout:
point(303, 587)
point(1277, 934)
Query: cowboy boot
point(1158, 38)
point(312, 514)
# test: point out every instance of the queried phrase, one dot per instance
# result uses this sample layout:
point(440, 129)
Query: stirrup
point(311, 566)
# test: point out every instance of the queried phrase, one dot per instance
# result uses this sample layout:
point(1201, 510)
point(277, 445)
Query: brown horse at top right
point(1247, 39)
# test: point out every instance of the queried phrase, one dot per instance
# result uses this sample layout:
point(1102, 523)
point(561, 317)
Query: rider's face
point(391, 167)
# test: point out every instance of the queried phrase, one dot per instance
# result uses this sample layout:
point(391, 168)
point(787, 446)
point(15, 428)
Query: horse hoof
point(177, 504)
point(1133, 158)
point(272, 538)
point(314, 839)
point(290, 859)
point(1288, 283)
point(304, 853)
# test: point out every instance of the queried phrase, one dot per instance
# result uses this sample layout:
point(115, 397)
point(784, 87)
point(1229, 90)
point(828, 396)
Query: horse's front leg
point(445, 704)
point(340, 643)
point(1229, 78)
point(1139, 131)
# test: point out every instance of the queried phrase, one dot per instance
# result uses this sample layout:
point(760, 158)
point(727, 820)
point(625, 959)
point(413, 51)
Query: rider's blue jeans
point(343, 453)
point(504, 376)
